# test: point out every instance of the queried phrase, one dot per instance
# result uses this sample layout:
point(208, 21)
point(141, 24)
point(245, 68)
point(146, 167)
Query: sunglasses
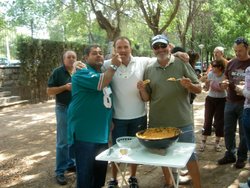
point(241, 41)
point(158, 46)
point(215, 65)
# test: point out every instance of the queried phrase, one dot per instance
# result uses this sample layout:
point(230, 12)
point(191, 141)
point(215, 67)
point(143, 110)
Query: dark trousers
point(214, 110)
point(90, 173)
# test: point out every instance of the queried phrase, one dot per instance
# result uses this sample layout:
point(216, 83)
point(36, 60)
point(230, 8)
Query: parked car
point(198, 68)
point(4, 62)
point(15, 62)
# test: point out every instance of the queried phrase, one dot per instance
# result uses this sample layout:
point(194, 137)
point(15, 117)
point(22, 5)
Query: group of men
point(110, 96)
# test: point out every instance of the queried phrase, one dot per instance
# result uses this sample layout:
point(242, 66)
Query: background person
point(235, 73)
point(59, 84)
point(246, 116)
point(171, 98)
point(214, 105)
point(89, 116)
point(218, 55)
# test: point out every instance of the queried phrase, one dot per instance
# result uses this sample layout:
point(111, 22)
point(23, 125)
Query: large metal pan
point(159, 143)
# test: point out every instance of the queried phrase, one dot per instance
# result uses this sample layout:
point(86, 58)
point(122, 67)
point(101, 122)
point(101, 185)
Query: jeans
point(128, 127)
point(246, 126)
point(63, 161)
point(187, 135)
point(233, 114)
point(90, 173)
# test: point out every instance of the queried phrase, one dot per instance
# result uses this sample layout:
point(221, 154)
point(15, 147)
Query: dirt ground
point(27, 152)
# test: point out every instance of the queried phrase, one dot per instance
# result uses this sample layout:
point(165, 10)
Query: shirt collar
point(171, 61)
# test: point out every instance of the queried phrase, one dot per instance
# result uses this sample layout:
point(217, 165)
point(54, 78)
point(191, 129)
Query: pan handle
point(186, 131)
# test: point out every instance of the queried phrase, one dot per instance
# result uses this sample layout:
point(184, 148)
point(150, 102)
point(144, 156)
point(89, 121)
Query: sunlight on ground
point(30, 160)
point(29, 177)
point(210, 166)
point(42, 116)
point(41, 154)
point(5, 156)
point(22, 179)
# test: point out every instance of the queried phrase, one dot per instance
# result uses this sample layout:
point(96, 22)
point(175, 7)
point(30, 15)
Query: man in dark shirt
point(235, 74)
point(59, 84)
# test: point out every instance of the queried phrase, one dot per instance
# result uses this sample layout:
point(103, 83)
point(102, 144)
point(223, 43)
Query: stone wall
point(9, 79)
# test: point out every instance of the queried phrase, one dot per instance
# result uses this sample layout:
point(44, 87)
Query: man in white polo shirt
point(129, 114)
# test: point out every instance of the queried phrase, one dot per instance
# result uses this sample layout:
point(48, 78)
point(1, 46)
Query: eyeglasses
point(159, 45)
point(241, 40)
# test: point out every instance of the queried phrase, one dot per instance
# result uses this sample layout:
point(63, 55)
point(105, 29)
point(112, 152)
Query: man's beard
point(96, 65)
point(163, 58)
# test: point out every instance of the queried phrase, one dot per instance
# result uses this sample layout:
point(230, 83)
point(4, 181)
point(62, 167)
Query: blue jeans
point(63, 161)
point(128, 127)
point(246, 126)
point(188, 136)
point(90, 173)
point(233, 114)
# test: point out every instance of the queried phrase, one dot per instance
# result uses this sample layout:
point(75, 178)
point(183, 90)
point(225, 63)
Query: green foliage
point(216, 22)
point(2, 22)
point(39, 58)
point(230, 19)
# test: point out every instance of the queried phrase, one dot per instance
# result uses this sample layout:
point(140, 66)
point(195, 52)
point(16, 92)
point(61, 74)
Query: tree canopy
point(187, 23)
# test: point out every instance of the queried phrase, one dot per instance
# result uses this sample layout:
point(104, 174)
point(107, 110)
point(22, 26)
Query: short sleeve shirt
point(60, 77)
point(215, 90)
point(235, 73)
point(127, 101)
point(88, 115)
point(169, 101)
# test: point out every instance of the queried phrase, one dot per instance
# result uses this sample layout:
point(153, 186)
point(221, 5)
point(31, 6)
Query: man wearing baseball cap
point(169, 100)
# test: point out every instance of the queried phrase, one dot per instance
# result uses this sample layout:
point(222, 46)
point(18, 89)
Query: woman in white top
point(214, 104)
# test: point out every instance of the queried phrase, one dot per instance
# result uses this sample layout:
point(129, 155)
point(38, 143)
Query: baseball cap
point(159, 39)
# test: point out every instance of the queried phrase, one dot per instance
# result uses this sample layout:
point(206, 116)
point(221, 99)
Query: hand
point(116, 60)
point(203, 78)
point(239, 89)
point(141, 85)
point(206, 85)
point(224, 84)
point(186, 82)
point(78, 65)
point(68, 86)
point(183, 56)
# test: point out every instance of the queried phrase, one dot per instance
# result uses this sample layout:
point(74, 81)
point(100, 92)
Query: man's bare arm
point(60, 89)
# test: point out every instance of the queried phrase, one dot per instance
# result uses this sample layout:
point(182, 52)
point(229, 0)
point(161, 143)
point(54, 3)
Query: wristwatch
point(114, 67)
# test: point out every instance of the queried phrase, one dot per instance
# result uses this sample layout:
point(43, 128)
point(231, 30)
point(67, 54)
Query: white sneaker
point(243, 185)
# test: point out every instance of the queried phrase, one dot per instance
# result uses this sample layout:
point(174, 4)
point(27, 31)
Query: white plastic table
point(176, 156)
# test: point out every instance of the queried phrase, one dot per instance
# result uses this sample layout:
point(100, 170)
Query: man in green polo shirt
point(171, 82)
